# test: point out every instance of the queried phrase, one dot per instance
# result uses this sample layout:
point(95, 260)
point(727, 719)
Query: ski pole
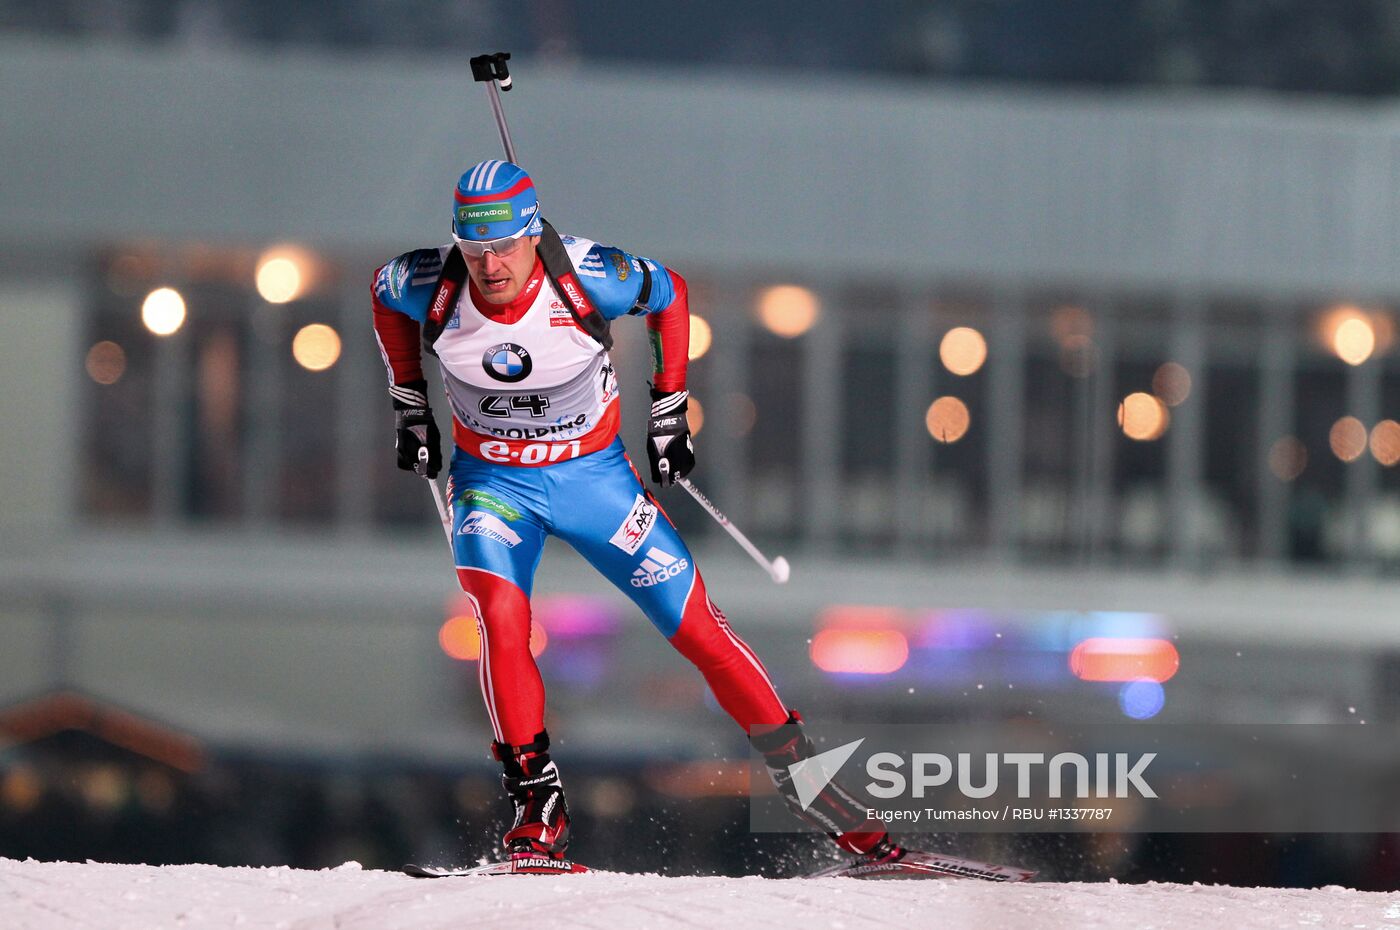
point(443, 514)
point(492, 70)
point(777, 569)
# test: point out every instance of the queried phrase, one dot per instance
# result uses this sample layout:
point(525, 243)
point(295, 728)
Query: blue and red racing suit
point(535, 419)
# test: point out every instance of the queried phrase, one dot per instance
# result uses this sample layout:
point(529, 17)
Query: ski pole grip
point(492, 68)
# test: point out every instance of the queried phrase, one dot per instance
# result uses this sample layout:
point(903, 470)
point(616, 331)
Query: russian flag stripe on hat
point(519, 186)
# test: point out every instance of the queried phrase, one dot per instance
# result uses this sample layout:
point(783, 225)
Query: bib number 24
point(500, 405)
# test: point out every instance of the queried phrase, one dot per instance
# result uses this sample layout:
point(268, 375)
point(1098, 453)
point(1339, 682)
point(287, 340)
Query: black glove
point(668, 437)
point(416, 435)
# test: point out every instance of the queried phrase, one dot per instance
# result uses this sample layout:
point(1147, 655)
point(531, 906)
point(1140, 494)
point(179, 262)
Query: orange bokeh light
point(963, 350)
point(1111, 659)
point(1172, 383)
point(461, 640)
point(1287, 458)
point(1347, 437)
point(1385, 442)
point(1355, 334)
point(1143, 417)
point(788, 310)
point(860, 652)
point(947, 419)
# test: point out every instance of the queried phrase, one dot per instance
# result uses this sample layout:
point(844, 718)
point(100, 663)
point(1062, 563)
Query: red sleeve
point(670, 338)
point(399, 343)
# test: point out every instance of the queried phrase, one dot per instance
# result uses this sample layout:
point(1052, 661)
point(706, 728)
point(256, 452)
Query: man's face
point(500, 278)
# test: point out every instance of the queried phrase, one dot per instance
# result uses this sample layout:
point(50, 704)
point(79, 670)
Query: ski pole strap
point(560, 269)
point(449, 286)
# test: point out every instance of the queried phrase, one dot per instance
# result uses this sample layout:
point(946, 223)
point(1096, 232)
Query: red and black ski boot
point(538, 838)
point(850, 824)
point(846, 820)
point(541, 827)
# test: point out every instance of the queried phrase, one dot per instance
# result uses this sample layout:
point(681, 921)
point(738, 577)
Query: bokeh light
point(105, 362)
point(1354, 341)
point(788, 310)
point(1385, 442)
point(743, 411)
point(947, 419)
point(860, 651)
point(280, 276)
point(963, 350)
point(1287, 458)
point(103, 787)
point(1143, 417)
point(1347, 437)
point(1071, 325)
point(21, 788)
point(163, 311)
point(316, 347)
point(461, 640)
point(1172, 383)
point(1354, 334)
point(1142, 700)
point(699, 337)
point(694, 415)
point(1106, 658)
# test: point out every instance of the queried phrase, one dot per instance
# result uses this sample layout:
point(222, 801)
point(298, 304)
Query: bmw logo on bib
point(507, 362)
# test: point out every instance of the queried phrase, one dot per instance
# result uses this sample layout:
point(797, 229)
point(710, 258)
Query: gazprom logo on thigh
point(507, 362)
point(658, 567)
point(481, 523)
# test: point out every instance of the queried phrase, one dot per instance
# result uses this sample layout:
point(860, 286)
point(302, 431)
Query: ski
point(911, 863)
point(523, 865)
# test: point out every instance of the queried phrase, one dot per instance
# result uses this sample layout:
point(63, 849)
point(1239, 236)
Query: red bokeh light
point(860, 652)
point(1109, 659)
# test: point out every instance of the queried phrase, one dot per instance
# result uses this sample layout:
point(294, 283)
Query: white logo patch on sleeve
point(637, 527)
point(481, 523)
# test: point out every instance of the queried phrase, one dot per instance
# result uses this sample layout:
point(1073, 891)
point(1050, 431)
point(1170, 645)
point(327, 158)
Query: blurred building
point(1002, 372)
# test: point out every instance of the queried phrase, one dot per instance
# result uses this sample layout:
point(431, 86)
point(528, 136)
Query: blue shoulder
point(613, 279)
point(407, 283)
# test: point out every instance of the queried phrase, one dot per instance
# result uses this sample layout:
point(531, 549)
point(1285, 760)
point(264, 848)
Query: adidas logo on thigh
point(658, 567)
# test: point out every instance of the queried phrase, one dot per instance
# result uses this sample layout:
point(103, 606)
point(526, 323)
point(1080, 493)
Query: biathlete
point(518, 317)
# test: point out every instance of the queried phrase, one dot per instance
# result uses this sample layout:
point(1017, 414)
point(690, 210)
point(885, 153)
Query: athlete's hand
point(416, 434)
point(669, 448)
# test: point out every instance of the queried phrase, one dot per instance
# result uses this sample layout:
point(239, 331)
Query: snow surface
point(72, 896)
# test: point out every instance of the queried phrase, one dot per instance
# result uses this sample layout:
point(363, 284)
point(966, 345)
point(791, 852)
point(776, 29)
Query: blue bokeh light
point(1142, 699)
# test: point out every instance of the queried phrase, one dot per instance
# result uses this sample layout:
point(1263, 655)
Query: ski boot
point(851, 826)
point(844, 819)
point(531, 780)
